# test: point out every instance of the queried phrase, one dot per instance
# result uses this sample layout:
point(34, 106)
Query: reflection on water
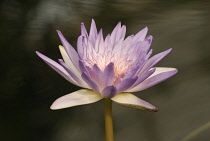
point(29, 86)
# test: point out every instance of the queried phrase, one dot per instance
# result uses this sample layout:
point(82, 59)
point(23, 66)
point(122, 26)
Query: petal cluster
point(109, 67)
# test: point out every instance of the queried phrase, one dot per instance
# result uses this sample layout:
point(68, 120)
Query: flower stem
point(108, 120)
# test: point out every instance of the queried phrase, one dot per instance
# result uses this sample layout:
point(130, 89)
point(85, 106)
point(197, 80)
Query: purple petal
point(109, 92)
point(127, 44)
point(101, 45)
point(144, 45)
point(131, 73)
point(140, 64)
point(70, 50)
point(83, 30)
point(125, 84)
point(147, 43)
point(80, 97)
point(130, 100)
point(72, 74)
point(133, 50)
point(142, 77)
point(90, 82)
point(117, 48)
point(58, 68)
point(107, 43)
point(155, 59)
point(96, 75)
point(80, 45)
point(99, 40)
point(123, 32)
point(108, 74)
point(96, 69)
point(158, 76)
point(140, 36)
point(93, 32)
point(82, 66)
point(116, 33)
point(148, 54)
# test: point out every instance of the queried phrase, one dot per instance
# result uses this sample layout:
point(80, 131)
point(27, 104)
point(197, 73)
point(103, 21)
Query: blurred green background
point(29, 86)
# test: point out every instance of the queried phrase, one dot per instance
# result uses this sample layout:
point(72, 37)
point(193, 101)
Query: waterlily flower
point(109, 68)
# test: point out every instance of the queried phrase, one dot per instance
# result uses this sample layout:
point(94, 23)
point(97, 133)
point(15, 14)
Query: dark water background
point(29, 86)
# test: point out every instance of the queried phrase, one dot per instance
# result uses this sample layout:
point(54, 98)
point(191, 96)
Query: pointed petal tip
point(60, 46)
point(170, 49)
point(95, 65)
point(53, 107)
point(37, 52)
point(60, 60)
point(145, 29)
point(151, 109)
point(111, 63)
point(123, 26)
point(155, 109)
point(101, 30)
point(175, 70)
point(166, 52)
point(150, 37)
point(93, 21)
point(59, 34)
point(152, 70)
point(57, 104)
point(58, 31)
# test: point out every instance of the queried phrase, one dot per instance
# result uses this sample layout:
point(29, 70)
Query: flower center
point(122, 64)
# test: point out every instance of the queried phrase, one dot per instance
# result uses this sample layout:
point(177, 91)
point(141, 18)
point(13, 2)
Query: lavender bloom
point(109, 68)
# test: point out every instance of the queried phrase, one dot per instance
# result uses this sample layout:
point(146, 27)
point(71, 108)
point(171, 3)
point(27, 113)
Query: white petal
point(130, 100)
point(159, 70)
point(80, 97)
point(68, 61)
